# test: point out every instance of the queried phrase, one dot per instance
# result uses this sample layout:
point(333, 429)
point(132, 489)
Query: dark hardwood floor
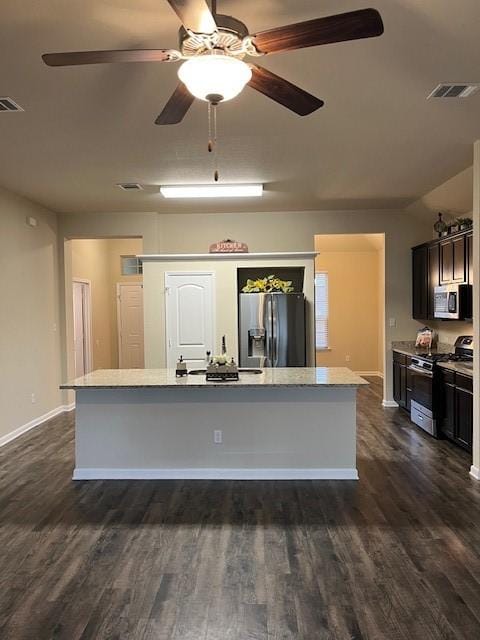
point(393, 556)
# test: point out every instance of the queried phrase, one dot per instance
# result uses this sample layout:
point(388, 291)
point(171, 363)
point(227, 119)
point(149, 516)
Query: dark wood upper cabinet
point(459, 259)
point(433, 277)
point(443, 261)
point(446, 262)
point(470, 257)
point(420, 282)
point(453, 260)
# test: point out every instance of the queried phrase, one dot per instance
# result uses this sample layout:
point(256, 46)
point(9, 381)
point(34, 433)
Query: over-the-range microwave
point(453, 302)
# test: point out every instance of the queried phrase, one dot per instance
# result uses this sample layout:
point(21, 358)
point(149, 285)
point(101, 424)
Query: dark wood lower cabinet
point(448, 422)
point(456, 423)
point(401, 380)
point(400, 384)
point(463, 433)
point(455, 397)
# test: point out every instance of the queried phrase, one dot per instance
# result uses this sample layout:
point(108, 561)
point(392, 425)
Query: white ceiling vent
point(454, 90)
point(9, 105)
point(130, 186)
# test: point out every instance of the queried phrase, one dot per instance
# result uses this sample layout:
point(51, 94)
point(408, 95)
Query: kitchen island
point(290, 423)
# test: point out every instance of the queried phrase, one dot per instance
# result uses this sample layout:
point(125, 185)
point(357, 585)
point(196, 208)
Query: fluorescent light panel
point(213, 191)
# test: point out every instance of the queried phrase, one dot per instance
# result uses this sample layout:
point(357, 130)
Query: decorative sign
point(228, 246)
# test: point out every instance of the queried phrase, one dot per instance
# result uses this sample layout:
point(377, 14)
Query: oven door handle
point(423, 372)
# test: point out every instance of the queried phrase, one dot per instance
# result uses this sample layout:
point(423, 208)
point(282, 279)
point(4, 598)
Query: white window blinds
point(321, 310)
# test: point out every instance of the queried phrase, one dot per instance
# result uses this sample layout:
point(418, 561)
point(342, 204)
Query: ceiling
point(378, 143)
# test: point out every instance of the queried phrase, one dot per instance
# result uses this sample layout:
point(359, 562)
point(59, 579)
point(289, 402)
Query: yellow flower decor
point(270, 284)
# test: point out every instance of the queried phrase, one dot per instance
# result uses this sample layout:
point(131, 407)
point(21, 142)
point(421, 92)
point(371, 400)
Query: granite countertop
point(165, 378)
point(459, 367)
point(408, 348)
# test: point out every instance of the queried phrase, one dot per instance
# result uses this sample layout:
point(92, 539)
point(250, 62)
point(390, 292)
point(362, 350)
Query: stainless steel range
point(426, 405)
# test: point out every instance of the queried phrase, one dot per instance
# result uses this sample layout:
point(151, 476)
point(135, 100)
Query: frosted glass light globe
point(214, 75)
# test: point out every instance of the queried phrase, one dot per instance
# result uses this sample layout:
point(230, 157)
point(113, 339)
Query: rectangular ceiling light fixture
point(213, 191)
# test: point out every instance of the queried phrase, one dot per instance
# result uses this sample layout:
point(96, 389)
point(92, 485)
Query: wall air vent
point(9, 105)
point(130, 186)
point(454, 90)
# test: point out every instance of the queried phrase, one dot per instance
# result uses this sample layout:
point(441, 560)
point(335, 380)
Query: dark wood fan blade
point(283, 92)
point(195, 15)
point(98, 57)
point(365, 23)
point(176, 108)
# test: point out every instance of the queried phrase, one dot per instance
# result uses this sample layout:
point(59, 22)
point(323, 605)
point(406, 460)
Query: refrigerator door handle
point(275, 321)
point(268, 333)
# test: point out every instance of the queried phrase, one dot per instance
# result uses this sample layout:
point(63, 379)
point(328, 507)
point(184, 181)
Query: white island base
point(282, 424)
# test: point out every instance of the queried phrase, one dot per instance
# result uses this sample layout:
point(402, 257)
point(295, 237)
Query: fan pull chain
point(212, 137)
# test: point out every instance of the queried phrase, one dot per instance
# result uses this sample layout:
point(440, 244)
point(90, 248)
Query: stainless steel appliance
point(426, 401)
point(422, 384)
point(272, 330)
point(463, 350)
point(453, 301)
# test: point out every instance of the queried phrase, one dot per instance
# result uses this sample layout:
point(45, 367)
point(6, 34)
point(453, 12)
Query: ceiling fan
point(213, 48)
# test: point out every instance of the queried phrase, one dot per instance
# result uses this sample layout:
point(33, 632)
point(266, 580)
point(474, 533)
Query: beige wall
point(285, 231)
point(225, 298)
point(453, 198)
point(99, 262)
point(354, 295)
point(29, 313)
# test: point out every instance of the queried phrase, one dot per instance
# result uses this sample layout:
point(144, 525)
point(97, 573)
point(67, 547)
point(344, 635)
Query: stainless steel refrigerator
point(272, 330)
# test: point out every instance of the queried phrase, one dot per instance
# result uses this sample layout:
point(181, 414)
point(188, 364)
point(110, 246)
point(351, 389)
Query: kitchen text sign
point(228, 246)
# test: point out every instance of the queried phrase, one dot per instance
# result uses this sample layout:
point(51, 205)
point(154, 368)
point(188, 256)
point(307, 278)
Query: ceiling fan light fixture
point(215, 75)
point(212, 191)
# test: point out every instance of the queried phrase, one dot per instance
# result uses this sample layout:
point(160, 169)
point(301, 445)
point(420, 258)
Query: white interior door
point(190, 316)
point(81, 327)
point(130, 326)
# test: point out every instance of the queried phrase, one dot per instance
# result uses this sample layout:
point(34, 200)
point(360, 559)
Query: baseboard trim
point(475, 472)
point(215, 474)
point(371, 374)
point(389, 404)
point(36, 422)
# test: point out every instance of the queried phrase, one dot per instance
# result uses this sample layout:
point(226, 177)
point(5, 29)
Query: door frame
point(87, 319)
point(203, 272)
point(119, 317)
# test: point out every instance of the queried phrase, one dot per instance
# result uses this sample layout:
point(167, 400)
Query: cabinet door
point(433, 277)
point(470, 258)
point(400, 384)
point(446, 262)
point(459, 259)
point(464, 418)
point(420, 283)
point(397, 382)
point(448, 421)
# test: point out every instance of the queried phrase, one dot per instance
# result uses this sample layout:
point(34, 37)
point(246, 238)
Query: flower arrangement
point(269, 284)
point(464, 223)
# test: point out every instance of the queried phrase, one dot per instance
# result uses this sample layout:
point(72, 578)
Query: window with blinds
point(321, 310)
point(131, 266)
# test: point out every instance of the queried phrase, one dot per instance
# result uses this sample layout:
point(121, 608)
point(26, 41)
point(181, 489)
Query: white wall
point(29, 313)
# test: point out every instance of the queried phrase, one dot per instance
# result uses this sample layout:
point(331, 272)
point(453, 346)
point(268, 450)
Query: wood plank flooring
point(395, 556)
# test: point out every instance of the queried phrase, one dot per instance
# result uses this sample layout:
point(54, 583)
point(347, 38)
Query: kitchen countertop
point(165, 378)
point(408, 348)
point(459, 367)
